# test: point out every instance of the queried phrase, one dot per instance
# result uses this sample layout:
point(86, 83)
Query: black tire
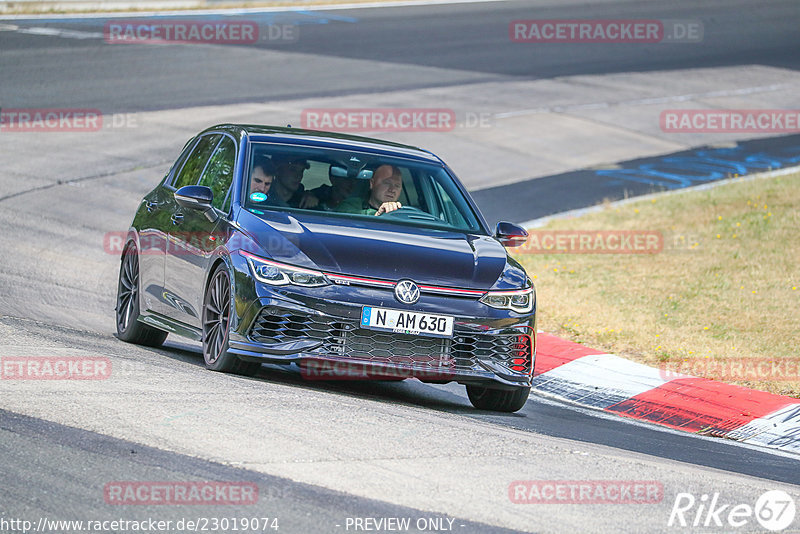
point(498, 400)
point(216, 328)
point(129, 328)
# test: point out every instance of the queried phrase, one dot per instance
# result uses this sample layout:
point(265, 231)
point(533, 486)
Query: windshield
point(348, 183)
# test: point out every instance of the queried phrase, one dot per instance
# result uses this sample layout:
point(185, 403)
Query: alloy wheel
point(128, 291)
point(216, 315)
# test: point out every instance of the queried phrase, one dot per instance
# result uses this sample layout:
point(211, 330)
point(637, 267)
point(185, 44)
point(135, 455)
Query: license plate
point(406, 322)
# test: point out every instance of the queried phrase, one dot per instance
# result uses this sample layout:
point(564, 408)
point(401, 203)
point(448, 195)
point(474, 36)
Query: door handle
point(177, 218)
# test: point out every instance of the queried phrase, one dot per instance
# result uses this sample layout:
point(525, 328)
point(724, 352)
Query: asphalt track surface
point(54, 469)
point(416, 47)
point(89, 460)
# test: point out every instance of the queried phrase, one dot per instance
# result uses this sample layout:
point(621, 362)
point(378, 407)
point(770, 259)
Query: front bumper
point(331, 345)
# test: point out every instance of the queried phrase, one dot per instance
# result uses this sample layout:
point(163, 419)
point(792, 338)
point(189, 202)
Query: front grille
point(344, 339)
point(511, 349)
point(279, 327)
point(384, 347)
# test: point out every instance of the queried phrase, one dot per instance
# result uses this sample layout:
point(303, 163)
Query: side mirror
point(196, 197)
point(510, 235)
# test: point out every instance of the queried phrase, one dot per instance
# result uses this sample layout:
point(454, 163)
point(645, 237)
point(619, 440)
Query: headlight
point(280, 274)
point(520, 301)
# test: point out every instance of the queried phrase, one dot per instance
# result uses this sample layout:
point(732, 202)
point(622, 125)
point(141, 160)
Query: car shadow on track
point(410, 392)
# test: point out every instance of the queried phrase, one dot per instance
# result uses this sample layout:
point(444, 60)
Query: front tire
point(498, 400)
point(216, 328)
point(129, 328)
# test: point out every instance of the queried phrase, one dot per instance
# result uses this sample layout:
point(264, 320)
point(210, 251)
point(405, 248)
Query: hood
point(381, 250)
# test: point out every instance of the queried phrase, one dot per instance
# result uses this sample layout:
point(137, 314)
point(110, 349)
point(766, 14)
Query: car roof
point(263, 133)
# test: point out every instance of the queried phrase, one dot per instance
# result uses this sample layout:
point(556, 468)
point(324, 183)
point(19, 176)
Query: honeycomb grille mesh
point(344, 339)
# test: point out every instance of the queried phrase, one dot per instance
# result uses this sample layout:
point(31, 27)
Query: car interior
point(423, 191)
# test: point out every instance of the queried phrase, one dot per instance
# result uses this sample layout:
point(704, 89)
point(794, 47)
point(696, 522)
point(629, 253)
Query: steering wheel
point(410, 212)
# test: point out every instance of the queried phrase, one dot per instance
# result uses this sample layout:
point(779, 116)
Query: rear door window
point(196, 162)
point(219, 172)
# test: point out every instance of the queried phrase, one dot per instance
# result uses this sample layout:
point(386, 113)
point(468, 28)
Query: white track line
point(56, 32)
point(245, 11)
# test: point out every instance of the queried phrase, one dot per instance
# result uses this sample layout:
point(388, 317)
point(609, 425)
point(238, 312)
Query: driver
point(385, 187)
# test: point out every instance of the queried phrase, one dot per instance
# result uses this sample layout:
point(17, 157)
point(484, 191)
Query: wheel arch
point(223, 258)
point(220, 259)
point(132, 236)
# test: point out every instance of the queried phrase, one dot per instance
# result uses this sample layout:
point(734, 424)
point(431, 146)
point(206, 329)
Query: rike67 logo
point(774, 510)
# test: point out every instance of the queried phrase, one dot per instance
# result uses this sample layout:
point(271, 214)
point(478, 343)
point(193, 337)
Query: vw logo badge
point(406, 292)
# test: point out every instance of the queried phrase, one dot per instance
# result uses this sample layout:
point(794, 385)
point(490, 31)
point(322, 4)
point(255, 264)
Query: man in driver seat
point(385, 187)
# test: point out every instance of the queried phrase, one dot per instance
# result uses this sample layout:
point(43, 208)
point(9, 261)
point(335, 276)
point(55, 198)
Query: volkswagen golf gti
point(348, 257)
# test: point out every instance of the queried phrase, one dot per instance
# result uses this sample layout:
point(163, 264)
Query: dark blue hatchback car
point(351, 257)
